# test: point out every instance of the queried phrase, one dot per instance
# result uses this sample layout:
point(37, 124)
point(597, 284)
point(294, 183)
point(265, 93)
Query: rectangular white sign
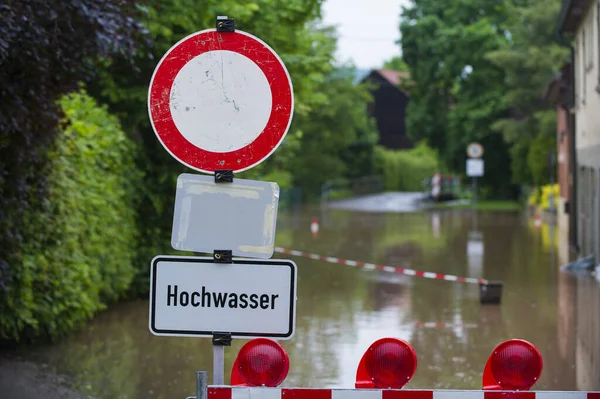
point(239, 216)
point(194, 296)
point(474, 167)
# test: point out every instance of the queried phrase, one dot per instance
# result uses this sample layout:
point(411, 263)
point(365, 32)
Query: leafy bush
point(46, 48)
point(541, 196)
point(405, 170)
point(78, 250)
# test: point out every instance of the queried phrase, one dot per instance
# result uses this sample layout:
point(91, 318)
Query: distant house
point(389, 107)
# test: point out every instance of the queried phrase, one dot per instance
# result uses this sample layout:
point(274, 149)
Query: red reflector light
point(260, 362)
point(387, 363)
point(513, 365)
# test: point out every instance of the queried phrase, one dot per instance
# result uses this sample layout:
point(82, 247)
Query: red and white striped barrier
point(436, 181)
point(306, 393)
point(383, 268)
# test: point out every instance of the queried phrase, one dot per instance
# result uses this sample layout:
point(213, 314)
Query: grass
point(496, 205)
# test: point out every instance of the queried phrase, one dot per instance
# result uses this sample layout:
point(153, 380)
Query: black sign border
point(234, 334)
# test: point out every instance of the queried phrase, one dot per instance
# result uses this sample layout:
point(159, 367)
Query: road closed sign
point(220, 101)
point(195, 296)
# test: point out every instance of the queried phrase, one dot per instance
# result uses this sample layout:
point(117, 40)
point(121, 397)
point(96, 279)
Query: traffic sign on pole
point(220, 101)
point(475, 150)
point(195, 296)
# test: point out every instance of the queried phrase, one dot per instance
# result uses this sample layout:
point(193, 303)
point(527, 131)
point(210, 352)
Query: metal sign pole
point(218, 365)
point(201, 384)
point(221, 340)
point(474, 203)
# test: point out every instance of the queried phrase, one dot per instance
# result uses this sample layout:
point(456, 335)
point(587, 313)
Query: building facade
point(581, 18)
point(557, 94)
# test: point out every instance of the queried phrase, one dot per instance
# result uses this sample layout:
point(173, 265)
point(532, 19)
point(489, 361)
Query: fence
point(290, 198)
point(351, 187)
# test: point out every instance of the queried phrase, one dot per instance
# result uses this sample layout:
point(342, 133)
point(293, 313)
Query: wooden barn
point(389, 107)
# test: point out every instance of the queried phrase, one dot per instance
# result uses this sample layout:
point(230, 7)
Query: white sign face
point(475, 150)
point(239, 216)
point(196, 297)
point(475, 167)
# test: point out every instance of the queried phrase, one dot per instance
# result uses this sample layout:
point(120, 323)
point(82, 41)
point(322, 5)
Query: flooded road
point(341, 310)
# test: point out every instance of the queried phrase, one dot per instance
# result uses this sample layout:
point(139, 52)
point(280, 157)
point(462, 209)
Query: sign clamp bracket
point(225, 24)
point(220, 341)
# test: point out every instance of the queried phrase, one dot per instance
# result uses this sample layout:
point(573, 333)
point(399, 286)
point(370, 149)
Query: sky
point(367, 29)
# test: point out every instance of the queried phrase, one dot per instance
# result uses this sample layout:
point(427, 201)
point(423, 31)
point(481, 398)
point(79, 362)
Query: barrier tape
point(215, 392)
point(383, 268)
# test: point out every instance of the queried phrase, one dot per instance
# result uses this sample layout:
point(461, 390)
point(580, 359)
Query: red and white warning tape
point(305, 393)
point(383, 268)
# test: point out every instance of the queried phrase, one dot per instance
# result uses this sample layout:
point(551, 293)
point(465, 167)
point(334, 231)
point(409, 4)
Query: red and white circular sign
point(220, 100)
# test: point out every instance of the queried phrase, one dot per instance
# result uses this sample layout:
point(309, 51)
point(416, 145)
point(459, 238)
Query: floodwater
point(341, 310)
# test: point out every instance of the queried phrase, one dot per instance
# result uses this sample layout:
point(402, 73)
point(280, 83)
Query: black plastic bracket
point(225, 24)
point(221, 339)
point(490, 293)
point(224, 176)
point(222, 256)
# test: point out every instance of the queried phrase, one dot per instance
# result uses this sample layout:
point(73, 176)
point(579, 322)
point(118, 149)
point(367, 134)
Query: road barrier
point(511, 370)
point(435, 190)
point(270, 393)
point(490, 291)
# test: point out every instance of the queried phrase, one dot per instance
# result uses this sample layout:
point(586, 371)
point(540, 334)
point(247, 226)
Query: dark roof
point(571, 14)
point(392, 77)
point(557, 88)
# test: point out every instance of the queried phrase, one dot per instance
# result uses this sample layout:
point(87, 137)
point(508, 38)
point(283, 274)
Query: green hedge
point(405, 170)
point(80, 242)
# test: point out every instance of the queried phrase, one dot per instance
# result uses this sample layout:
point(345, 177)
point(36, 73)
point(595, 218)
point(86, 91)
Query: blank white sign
point(239, 216)
point(474, 167)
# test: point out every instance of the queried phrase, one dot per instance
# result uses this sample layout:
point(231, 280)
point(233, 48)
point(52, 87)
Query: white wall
point(587, 77)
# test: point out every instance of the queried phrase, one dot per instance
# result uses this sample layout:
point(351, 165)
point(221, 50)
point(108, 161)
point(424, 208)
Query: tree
point(456, 92)
point(529, 59)
point(46, 48)
point(338, 139)
point(396, 64)
point(293, 29)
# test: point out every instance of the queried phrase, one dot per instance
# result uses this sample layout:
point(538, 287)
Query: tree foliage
point(329, 109)
point(396, 64)
point(45, 49)
point(478, 71)
point(81, 241)
point(529, 60)
point(337, 139)
point(406, 170)
point(456, 92)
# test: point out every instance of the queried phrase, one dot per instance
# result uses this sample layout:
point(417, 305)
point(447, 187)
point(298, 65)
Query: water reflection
point(342, 310)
